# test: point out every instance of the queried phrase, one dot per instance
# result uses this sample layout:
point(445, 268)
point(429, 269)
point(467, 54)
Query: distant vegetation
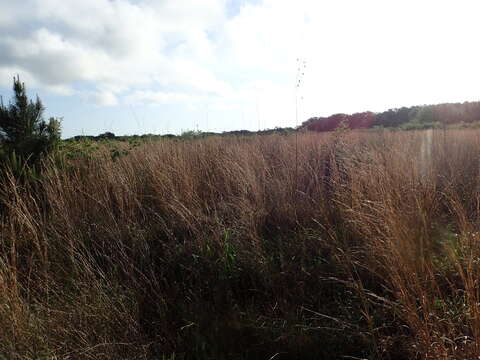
point(453, 115)
point(415, 117)
point(185, 135)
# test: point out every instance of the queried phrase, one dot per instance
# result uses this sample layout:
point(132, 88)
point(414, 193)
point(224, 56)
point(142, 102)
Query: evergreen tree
point(24, 135)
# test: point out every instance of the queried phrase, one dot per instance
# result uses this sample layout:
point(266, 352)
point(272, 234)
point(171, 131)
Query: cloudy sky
point(158, 66)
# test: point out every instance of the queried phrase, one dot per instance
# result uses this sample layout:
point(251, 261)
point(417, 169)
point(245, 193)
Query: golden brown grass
point(366, 246)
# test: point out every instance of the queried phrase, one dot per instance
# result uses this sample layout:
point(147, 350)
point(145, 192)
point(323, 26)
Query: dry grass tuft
point(362, 244)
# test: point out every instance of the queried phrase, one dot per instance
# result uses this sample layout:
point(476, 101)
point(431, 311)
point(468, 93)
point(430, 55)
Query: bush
point(107, 135)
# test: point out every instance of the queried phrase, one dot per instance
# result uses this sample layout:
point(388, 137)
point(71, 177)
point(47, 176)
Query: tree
point(24, 134)
point(106, 135)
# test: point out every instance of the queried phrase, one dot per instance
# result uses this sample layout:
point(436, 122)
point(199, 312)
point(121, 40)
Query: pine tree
point(24, 134)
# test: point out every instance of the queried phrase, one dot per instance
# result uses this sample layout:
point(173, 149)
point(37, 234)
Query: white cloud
point(143, 97)
point(360, 55)
point(101, 98)
point(114, 45)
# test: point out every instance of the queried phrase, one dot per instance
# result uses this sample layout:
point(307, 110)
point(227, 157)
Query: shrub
point(107, 135)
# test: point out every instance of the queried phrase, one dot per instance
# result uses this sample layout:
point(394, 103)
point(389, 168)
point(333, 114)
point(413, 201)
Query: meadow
point(339, 245)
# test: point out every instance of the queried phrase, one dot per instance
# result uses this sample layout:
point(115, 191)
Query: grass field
point(355, 245)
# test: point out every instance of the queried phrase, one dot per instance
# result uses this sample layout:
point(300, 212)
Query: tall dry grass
point(358, 244)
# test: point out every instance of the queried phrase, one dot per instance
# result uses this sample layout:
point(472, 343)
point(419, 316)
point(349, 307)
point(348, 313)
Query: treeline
point(184, 135)
point(414, 117)
point(111, 136)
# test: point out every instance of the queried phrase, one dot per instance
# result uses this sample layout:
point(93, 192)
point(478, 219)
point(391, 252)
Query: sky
point(167, 66)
